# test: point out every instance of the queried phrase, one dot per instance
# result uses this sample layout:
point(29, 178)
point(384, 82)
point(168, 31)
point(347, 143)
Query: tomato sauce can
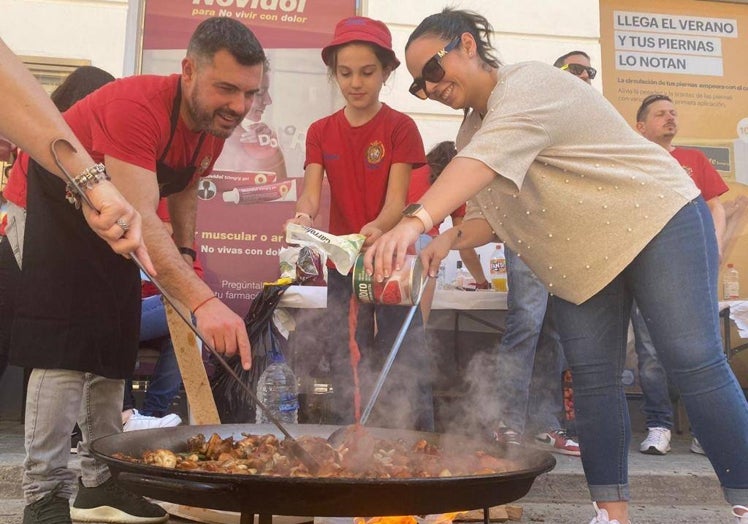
point(402, 288)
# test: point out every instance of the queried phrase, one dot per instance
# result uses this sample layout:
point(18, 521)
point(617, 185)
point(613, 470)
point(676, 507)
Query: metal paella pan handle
point(311, 464)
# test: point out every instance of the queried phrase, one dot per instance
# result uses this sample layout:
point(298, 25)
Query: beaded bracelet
point(83, 182)
point(201, 304)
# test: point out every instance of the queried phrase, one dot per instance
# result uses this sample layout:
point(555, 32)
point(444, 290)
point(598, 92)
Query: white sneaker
point(696, 448)
point(657, 442)
point(138, 421)
point(601, 517)
point(740, 519)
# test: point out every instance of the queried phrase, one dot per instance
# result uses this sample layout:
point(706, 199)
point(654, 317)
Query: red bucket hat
point(360, 29)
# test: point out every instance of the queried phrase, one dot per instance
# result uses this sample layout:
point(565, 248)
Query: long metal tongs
point(393, 353)
point(311, 464)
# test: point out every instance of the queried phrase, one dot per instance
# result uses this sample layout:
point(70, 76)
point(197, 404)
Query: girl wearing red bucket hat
point(367, 150)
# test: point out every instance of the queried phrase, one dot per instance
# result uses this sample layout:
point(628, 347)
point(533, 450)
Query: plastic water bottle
point(497, 269)
point(731, 283)
point(278, 390)
point(441, 278)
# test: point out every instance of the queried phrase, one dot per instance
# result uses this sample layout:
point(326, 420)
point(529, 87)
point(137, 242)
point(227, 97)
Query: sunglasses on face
point(578, 69)
point(432, 71)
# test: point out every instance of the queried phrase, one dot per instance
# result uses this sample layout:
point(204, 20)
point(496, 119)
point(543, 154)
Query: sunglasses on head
point(648, 101)
point(432, 71)
point(578, 69)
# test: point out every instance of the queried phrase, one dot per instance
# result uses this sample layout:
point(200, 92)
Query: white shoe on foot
point(138, 421)
point(601, 516)
point(657, 442)
point(740, 518)
point(696, 447)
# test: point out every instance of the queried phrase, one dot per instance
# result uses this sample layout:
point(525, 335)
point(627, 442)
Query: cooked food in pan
point(360, 455)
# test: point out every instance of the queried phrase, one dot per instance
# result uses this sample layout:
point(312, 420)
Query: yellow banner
point(694, 52)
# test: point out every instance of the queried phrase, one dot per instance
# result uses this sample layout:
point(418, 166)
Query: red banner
point(252, 191)
point(276, 23)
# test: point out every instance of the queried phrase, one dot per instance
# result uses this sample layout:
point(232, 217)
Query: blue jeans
point(530, 357)
point(166, 378)
point(406, 399)
point(657, 407)
point(673, 281)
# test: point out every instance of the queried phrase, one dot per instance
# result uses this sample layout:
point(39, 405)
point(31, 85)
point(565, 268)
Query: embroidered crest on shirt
point(375, 152)
point(204, 165)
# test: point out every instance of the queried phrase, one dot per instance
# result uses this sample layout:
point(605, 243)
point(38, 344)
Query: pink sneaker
point(557, 441)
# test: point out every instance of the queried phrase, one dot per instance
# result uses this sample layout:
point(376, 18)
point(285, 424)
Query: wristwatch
point(419, 212)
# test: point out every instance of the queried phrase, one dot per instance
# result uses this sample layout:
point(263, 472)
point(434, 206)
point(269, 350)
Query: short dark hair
point(218, 33)
point(641, 113)
point(561, 60)
point(439, 156)
point(80, 83)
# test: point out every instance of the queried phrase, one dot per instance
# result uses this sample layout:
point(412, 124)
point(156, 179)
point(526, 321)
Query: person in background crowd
point(30, 120)
point(657, 120)
point(7, 150)
point(254, 146)
point(578, 64)
point(530, 365)
point(420, 180)
point(7, 154)
point(78, 330)
point(367, 150)
point(603, 217)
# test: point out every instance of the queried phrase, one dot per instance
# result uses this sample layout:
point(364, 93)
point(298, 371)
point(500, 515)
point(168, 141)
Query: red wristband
point(201, 304)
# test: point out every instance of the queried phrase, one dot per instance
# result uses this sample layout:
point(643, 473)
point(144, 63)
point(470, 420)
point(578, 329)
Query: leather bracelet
point(84, 182)
point(201, 304)
point(188, 251)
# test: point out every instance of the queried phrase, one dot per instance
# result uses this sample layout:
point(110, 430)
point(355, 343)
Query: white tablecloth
point(316, 297)
point(481, 299)
point(304, 297)
point(738, 314)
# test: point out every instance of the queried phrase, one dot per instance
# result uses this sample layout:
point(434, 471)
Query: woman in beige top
point(602, 216)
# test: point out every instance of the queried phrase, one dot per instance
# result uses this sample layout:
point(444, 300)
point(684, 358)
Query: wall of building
point(91, 30)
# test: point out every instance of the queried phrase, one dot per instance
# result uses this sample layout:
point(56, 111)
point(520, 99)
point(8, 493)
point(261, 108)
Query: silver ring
point(124, 225)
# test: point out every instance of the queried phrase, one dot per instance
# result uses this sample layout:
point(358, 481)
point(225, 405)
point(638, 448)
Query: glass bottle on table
point(462, 277)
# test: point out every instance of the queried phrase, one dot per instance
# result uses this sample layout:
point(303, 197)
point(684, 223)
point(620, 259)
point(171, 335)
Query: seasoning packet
point(341, 249)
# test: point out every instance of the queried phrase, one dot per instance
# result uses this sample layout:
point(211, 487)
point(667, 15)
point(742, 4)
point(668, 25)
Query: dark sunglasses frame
point(591, 71)
point(432, 70)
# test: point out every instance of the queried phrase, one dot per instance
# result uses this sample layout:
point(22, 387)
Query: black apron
point(172, 180)
point(78, 303)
